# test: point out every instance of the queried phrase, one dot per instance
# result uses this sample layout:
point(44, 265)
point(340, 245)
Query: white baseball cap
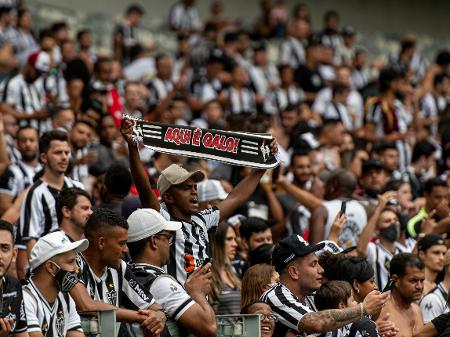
point(54, 244)
point(211, 189)
point(146, 222)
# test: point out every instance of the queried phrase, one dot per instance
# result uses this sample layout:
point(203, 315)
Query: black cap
point(290, 248)
point(371, 164)
point(216, 56)
point(348, 31)
point(429, 240)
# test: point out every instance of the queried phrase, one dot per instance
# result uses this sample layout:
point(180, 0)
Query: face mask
point(66, 279)
point(390, 233)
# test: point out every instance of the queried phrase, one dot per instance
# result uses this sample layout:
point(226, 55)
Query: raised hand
point(126, 129)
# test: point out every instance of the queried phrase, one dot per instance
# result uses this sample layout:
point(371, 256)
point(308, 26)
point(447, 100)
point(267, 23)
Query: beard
point(28, 156)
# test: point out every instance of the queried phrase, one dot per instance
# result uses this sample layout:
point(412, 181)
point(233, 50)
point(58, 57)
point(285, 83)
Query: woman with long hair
point(257, 279)
point(225, 295)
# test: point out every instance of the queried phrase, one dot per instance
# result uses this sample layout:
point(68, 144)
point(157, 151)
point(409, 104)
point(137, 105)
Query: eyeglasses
point(169, 236)
point(270, 317)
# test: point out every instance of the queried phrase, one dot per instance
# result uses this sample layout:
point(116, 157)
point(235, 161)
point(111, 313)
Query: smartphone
point(389, 285)
point(206, 261)
point(343, 207)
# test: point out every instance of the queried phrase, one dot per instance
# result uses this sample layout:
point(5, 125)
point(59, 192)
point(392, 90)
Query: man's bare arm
point(240, 193)
point(306, 198)
point(4, 158)
point(328, 320)
point(146, 195)
point(317, 222)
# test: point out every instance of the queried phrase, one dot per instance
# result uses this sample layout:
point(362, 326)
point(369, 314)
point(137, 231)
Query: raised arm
point(317, 222)
point(243, 190)
point(307, 199)
point(369, 229)
point(329, 320)
point(4, 158)
point(276, 212)
point(240, 193)
point(146, 194)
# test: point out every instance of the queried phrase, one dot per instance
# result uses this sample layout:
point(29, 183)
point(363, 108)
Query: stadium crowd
point(347, 238)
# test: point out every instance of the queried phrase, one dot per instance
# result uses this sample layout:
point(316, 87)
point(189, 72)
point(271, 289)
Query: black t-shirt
point(442, 324)
point(12, 303)
point(308, 79)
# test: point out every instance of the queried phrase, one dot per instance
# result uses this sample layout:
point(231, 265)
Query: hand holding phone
point(343, 207)
point(389, 285)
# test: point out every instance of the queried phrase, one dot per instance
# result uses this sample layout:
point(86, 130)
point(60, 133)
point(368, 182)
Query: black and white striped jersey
point(380, 258)
point(159, 89)
point(277, 100)
point(18, 177)
point(338, 111)
point(191, 242)
point(286, 306)
point(55, 85)
point(388, 119)
point(434, 303)
point(80, 171)
point(26, 98)
point(118, 287)
point(240, 101)
point(292, 52)
point(184, 18)
point(38, 212)
point(262, 78)
point(206, 90)
point(51, 319)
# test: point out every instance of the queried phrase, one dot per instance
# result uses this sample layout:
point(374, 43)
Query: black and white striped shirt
point(17, 178)
point(434, 303)
point(277, 100)
point(184, 18)
point(377, 114)
point(191, 242)
point(118, 287)
point(38, 212)
point(262, 78)
point(338, 111)
point(80, 171)
point(292, 52)
point(241, 100)
point(380, 259)
point(286, 306)
point(26, 98)
point(50, 319)
point(55, 85)
point(159, 89)
point(206, 90)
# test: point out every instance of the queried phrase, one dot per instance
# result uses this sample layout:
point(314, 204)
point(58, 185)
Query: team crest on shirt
point(11, 317)
point(387, 264)
point(60, 323)
point(111, 294)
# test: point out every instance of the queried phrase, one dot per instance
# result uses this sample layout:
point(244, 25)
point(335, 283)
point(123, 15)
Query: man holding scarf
point(178, 190)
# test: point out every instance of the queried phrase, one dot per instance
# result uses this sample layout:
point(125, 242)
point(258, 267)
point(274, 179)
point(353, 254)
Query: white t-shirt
point(353, 226)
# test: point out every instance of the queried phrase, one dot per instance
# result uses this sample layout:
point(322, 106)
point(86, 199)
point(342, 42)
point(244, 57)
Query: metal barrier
point(238, 325)
point(101, 323)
